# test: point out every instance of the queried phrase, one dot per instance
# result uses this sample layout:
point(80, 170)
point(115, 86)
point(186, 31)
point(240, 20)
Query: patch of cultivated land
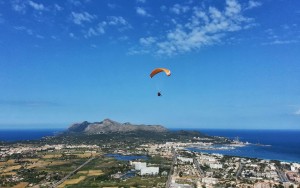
point(51, 156)
point(44, 163)
point(9, 162)
point(32, 160)
point(11, 168)
point(91, 172)
point(8, 173)
point(84, 155)
point(132, 182)
point(21, 185)
point(72, 181)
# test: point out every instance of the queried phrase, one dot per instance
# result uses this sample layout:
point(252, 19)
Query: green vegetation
point(50, 165)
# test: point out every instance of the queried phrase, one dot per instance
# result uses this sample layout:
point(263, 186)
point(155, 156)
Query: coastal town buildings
point(215, 170)
point(188, 169)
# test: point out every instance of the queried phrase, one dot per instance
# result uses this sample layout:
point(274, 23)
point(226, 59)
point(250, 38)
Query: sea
point(12, 135)
point(283, 145)
point(126, 157)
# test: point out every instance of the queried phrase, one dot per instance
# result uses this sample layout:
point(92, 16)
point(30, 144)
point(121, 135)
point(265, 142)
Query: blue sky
point(234, 63)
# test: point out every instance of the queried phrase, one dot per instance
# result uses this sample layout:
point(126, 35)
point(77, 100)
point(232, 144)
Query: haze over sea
point(283, 144)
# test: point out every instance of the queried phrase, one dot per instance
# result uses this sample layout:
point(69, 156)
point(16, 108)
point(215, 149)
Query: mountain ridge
point(109, 126)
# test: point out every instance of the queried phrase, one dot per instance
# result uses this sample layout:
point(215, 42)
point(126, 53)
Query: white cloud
point(133, 51)
point(297, 112)
point(116, 20)
point(253, 4)
point(163, 8)
point(79, 18)
point(269, 31)
point(111, 5)
point(204, 26)
point(233, 8)
point(25, 29)
point(57, 7)
point(39, 36)
point(179, 41)
point(112, 21)
point(123, 38)
point(141, 11)
point(75, 2)
point(72, 35)
point(147, 41)
point(278, 42)
point(98, 30)
point(19, 6)
point(93, 46)
point(179, 9)
point(36, 6)
point(271, 34)
point(286, 27)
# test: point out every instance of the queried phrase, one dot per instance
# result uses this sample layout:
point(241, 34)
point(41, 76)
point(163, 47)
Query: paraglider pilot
point(158, 70)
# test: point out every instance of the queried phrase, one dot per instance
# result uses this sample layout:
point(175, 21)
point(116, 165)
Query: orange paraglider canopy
point(158, 70)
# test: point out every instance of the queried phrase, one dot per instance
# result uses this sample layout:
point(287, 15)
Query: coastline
point(247, 151)
point(255, 143)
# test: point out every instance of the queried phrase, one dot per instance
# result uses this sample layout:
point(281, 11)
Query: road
point(198, 167)
point(238, 172)
point(281, 175)
point(72, 173)
point(174, 161)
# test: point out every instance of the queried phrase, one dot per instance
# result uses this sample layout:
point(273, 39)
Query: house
point(149, 171)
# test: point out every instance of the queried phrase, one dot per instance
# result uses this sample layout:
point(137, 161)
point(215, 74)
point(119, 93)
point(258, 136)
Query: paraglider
point(159, 70)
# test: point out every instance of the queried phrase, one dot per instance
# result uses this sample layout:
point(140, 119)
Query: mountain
point(110, 126)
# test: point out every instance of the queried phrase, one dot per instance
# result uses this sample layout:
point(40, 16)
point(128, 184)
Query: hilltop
point(110, 126)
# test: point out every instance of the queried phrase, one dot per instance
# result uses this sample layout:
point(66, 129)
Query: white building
point(210, 180)
point(176, 185)
point(272, 166)
point(185, 159)
point(295, 167)
point(271, 175)
point(149, 171)
point(139, 165)
point(215, 166)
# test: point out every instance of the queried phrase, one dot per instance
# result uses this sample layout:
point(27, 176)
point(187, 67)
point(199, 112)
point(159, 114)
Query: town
point(168, 164)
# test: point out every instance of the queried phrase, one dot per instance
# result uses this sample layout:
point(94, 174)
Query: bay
point(281, 145)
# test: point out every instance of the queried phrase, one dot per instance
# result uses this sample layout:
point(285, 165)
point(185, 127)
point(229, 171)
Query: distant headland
point(110, 126)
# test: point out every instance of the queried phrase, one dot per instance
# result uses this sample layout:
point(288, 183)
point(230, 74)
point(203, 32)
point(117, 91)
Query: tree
point(180, 174)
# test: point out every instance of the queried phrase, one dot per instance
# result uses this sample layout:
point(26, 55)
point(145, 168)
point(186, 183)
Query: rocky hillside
point(109, 126)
